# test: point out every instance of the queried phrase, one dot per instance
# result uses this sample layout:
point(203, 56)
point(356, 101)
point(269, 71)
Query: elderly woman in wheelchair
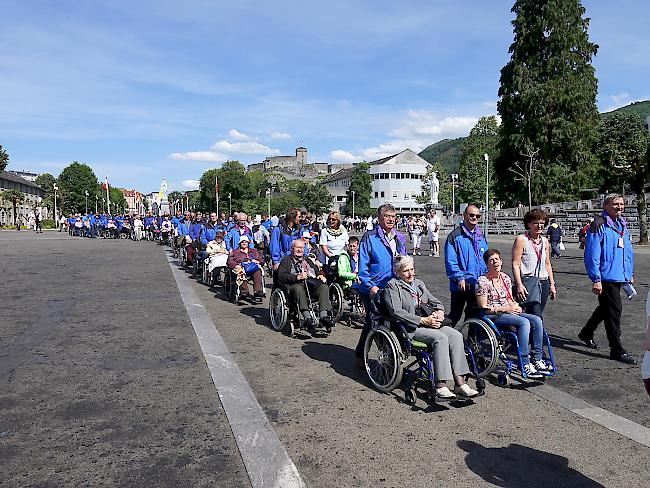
point(245, 262)
point(413, 325)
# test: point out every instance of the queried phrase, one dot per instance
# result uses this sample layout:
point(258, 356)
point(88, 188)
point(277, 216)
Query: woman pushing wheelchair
point(407, 299)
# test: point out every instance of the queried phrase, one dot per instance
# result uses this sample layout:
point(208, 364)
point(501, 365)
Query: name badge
point(620, 242)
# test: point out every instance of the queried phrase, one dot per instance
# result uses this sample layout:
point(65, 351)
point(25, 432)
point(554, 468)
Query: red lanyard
point(503, 282)
point(534, 246)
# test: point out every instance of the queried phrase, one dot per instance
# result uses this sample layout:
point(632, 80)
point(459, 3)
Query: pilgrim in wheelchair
point(244, 264)
point(341, 271)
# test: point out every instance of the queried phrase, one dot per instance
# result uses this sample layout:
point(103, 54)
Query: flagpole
point(216, 191)
point(108, 198)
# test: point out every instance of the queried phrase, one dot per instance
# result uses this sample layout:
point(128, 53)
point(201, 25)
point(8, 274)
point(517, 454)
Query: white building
point(397, 180)
point(337, 184)
point(32, 199)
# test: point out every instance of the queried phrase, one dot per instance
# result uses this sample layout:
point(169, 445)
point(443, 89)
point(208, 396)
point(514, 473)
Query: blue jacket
point(183, 228)
point(196, 229)
point(462, 260)
point(281, 239)
point(376, 258)
point(147, 222)
point(175, 221)
point(268, 224)
point(233, 235)
point(208, 234)
point(604, 259)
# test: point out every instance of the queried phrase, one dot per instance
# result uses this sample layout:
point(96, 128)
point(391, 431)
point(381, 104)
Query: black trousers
point(367, 326)
point(609, 311)
point(462, 300)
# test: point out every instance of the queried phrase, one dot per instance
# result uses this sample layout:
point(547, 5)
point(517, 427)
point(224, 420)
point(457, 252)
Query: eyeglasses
point(474, 216)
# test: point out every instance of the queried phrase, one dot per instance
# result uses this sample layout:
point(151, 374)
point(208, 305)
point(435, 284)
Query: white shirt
point(335, 244)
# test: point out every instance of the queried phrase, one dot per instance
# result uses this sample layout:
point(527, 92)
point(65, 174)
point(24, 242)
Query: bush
point(48, 224)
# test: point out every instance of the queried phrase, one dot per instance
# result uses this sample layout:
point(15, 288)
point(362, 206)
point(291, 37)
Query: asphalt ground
point(59, 396)
point(102, 382)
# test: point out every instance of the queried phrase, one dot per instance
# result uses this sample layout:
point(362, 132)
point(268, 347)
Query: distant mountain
point(447, 151)
point(640, 108)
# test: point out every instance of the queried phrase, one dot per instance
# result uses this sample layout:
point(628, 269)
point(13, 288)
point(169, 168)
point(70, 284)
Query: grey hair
point(299, 241)
point(610, 197)
point(402, 262)
point(386, 207)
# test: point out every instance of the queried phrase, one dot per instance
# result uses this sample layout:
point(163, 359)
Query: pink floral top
point(497, 296)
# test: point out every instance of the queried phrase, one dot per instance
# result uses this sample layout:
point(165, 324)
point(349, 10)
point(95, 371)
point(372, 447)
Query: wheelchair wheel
point(183, 256)
point(278, 310)
point(205, 275)
point(483, 345)
point(336, 299)
point(382, 356)
point(227, 286)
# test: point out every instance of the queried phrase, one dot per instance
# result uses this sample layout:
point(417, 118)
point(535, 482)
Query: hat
point(306, 234)
point(244, 238)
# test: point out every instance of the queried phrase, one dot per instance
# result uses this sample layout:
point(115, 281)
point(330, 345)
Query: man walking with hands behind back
point(609, 261)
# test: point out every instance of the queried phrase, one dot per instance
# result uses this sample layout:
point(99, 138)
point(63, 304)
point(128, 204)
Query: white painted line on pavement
point(266, 460)
point(607, 419)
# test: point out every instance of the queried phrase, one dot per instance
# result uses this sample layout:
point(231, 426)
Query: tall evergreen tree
point(547, 101)
point(482, 139)
point(361, 184)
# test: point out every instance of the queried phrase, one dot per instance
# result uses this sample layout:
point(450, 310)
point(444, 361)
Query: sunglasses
point(474, 216)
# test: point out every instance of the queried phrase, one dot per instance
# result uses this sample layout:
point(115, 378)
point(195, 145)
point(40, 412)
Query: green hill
point(640, 108)
point(447, 151)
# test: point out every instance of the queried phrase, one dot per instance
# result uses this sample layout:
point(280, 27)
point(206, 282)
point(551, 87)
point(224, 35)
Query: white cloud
point(190, 185)
point(238, 136)
point(280, 135)
point(198, 156)
point(341, 156)
point(248, 147)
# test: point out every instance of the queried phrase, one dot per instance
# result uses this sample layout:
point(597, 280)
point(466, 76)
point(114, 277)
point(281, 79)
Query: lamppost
point(487, 192)
point(229, 204)
point(454, 177)
point(353, 196)
point(86, 193)
point(103, 205)
point(56, 218)
point(96, 202)
point(268, 192)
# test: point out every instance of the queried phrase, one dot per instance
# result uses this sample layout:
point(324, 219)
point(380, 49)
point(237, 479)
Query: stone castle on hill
point(296, 167)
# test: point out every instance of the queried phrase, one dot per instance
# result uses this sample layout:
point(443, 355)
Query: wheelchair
point(392, 359)
point(339, 296)
point(495, 349)
point(208, 278)
point(285, 316)
point(231, 291)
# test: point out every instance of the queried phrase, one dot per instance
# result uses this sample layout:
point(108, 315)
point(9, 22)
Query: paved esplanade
point(104, 384)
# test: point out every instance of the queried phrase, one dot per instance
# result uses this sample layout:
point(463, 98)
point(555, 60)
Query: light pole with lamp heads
point(86, 193)
point(56, 218)
point(487, 193)
point(454, 178)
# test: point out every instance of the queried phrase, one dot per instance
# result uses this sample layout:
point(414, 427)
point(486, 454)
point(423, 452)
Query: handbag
point(532, 284)
point(562, 246)
point(250, 267)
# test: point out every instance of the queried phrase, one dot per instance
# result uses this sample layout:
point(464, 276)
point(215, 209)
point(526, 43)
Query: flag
point(106, 183)
point(216, 184)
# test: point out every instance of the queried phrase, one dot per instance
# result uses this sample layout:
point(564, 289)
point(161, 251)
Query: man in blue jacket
point(609, 261)
point(283, 235)
point(377, 251)
point(464, 263)
point(240, 229)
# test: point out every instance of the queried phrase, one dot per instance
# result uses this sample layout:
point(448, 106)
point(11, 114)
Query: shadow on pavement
point(340, 358)
point(258, 313)
point(515, 466)
point(567, 344)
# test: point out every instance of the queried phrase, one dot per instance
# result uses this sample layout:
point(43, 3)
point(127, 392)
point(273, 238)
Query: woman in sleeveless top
point(530, 257)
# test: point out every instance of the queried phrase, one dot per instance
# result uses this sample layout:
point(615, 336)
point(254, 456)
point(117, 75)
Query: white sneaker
point(465, 391)
point(445, 393)
point(541, 367)
point(531, 372)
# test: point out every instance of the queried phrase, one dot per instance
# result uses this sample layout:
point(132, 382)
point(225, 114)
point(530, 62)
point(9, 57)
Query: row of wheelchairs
point(392, 359)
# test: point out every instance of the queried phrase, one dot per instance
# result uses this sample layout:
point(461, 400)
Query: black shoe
point(622, 357)
point(327, 322)
point(589, 342)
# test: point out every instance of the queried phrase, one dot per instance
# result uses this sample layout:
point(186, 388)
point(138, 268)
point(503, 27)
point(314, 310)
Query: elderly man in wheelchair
point(408, 320)
point(300, 280)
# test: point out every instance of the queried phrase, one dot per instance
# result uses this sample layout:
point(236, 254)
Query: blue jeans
point(529, 329)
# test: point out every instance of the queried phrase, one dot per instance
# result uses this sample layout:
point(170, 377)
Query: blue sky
point(145, 90)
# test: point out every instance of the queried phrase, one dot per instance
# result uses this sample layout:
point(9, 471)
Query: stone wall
point(570, 215)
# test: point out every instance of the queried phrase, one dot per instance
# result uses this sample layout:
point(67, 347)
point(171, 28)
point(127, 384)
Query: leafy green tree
point(195, 200)
point(15, 198)
point(175, 196)
point(361, 184)
point(444, 194)
point(74, 181)
point(4, 159)
point(208, 191)
point(547, 100)
point(118, 202)
point(46, 181)
point(482, 139)
point(317, 198)
point(624, 148)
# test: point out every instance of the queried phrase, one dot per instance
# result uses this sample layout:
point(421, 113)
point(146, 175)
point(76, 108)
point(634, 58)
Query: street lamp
point(96, 201)
point(56, 219)
point(454, 177)
point(86, 193)
point(229, 204)
point(353, 195)
point(268, 192)
point(487, 192)
point(103, 205)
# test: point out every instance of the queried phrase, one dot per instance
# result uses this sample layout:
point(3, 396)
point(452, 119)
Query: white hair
point(402, 262)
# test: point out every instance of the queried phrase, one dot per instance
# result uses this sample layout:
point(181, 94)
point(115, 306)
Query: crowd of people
point(298, 248)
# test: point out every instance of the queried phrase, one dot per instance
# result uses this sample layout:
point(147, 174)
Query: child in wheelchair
point(408, 300)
